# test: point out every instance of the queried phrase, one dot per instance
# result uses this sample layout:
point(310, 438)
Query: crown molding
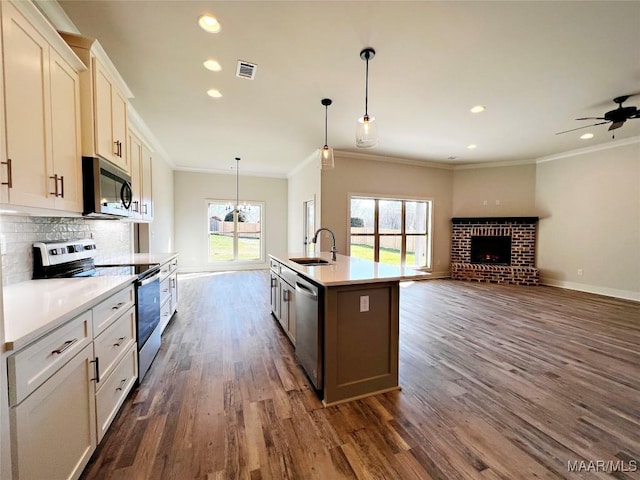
point(594, 148)
point(505, 163)
point(56, 15)
point(220, 171)
point(310, 159)
point(142, 130)
point(386, 159)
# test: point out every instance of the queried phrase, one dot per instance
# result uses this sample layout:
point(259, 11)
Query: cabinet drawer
point(165, 314)
point(165, 290)
point(165, 270)
point(111, 308)
point(115, 389)
point(274, 266)
point(112, 344)
point(31, 366)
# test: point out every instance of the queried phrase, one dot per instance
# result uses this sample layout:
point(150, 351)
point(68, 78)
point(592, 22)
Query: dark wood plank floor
point(499, 382)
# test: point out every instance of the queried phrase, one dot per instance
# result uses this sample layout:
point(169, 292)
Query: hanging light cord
point(366, 87)
point(237, 182)
point(326, 113)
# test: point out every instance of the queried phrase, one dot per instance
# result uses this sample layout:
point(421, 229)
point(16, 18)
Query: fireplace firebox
point(491, 250)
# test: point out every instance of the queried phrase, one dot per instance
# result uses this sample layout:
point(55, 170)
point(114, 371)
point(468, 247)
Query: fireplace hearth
point(494, 249)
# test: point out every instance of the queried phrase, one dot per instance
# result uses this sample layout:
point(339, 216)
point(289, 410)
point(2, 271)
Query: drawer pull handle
point(116, 307)
point(122, 384)
point(119, 342)
point(64, 346)
point(97, 362)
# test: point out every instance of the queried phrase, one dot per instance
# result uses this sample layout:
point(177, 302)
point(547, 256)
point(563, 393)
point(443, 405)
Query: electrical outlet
point(364, 303)
point(580, 272)
point(497, 202)
point(485, 203)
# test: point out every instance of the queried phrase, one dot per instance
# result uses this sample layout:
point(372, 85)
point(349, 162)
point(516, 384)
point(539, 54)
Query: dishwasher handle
point(306, 291)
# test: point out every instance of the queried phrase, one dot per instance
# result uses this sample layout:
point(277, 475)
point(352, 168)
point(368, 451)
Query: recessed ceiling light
point(472, 146)
point(213, 92)
point(212, 65)
point(209, 23)
point(586, 136)
point(478, 109)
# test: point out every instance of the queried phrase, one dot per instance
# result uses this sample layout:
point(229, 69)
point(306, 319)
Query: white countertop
point(137, 259)
point(36, 307)
point(349, 270)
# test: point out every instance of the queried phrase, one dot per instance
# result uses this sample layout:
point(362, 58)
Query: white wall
point(191, 191)
point(507, 191)
point(360, 175)
point(303, 185)
point(589, 206)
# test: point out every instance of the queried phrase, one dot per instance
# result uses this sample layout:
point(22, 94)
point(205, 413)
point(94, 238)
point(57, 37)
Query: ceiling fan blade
point(615, 125)
point(591, 118)
point(579, 128)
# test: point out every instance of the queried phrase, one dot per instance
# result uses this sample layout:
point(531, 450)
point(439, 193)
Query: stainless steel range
point(77, 259)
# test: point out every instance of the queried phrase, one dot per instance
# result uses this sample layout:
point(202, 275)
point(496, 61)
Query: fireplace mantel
point(481, 220)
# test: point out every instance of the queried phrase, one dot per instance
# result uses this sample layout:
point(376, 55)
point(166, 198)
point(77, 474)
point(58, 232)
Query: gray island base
point(357, 322)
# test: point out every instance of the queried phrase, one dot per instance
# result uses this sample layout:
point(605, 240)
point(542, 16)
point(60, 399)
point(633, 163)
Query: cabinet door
point(135, 157)
point(105, 143)
point(146, 185)
point(65, 125)
point(54, 430)
point(27, 109)
point(284, 305)
point(119, 125)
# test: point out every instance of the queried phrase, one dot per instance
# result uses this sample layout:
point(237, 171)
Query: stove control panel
point(64, 252)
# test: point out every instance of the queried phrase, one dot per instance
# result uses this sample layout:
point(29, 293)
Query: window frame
point(403, 234)
point(235, 260)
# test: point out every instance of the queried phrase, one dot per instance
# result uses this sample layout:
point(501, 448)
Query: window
point(235, 238)
point(390, 230)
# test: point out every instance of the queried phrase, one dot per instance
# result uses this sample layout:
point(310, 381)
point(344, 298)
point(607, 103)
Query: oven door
point(148, 292)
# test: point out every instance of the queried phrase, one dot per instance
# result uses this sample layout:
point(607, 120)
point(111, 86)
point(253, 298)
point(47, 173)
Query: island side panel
point(361, 348)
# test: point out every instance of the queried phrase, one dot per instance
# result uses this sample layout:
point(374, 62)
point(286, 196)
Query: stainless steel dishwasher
point(309, 330)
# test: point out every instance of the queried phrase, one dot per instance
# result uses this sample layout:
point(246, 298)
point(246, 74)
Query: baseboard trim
point(598, 290)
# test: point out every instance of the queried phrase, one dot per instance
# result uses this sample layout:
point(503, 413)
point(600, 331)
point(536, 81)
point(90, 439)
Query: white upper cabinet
point(41, 158)
point(104, 98)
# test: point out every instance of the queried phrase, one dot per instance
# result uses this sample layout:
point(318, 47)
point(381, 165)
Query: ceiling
point(536, 66)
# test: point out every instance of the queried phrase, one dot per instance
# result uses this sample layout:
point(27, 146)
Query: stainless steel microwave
point(106, 189)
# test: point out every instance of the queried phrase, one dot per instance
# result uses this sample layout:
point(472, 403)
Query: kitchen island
point(357, 321)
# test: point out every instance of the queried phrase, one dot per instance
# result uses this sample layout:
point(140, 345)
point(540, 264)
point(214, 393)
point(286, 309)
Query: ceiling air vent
point(246, 70)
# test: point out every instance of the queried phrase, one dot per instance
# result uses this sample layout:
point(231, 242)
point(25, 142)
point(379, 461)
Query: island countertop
point(347, 270)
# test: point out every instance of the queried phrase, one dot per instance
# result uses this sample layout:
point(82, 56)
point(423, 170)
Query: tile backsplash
point(18, 233)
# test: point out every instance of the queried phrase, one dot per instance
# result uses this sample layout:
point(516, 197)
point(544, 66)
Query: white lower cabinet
point(66, 387)
point(113, 390)
point(168, 292)
point(54, 429)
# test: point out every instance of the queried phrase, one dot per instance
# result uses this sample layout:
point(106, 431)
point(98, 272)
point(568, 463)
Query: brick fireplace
point(494, 249)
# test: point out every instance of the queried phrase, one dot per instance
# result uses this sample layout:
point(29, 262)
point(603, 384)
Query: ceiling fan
point(615, 117)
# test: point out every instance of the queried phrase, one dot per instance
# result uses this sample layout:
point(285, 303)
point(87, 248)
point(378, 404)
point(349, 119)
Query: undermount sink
point(310, 261)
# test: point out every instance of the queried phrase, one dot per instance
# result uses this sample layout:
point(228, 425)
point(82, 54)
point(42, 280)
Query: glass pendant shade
point(326, 157)
point(366, 132)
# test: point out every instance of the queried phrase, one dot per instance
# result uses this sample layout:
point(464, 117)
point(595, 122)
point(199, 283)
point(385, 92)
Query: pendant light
point(237, 208)
point(326, 154)
point(366, 127)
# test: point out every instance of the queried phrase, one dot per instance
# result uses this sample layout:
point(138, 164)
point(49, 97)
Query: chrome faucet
point(333, 237)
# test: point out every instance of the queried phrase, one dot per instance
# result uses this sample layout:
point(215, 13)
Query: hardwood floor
point(499, 382)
